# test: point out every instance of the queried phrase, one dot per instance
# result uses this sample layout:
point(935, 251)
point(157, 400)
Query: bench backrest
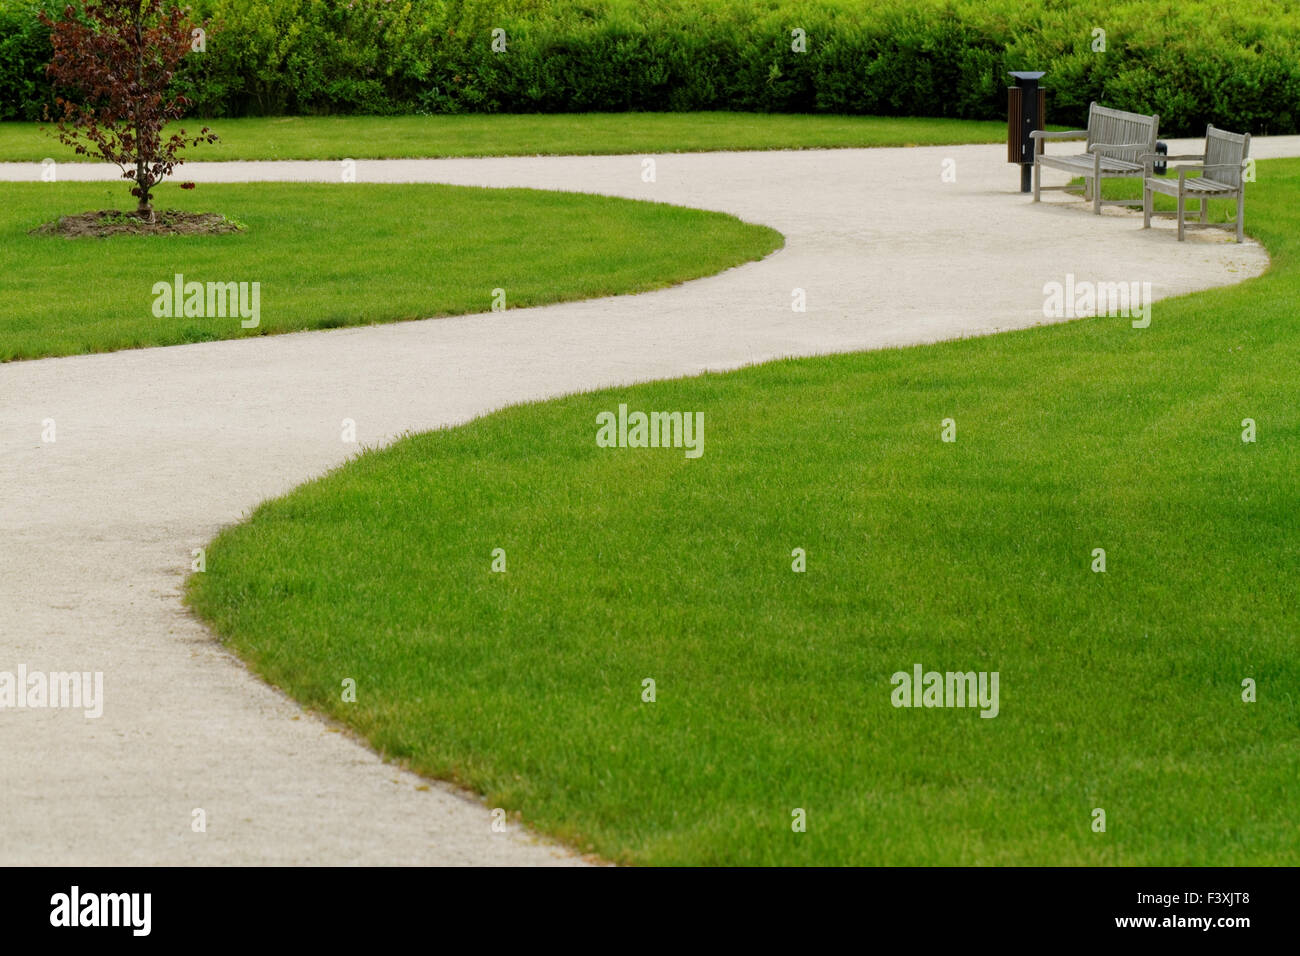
point(1106, 125)
point(1224, 148)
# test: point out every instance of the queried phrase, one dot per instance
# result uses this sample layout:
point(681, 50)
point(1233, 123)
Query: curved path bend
point(157, 449)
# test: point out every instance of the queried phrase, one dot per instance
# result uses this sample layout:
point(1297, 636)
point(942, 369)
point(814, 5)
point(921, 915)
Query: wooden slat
point(1170, 186)
point(1014, 126)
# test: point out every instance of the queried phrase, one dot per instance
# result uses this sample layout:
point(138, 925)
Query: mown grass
point(407, 137)
point(1119, 690)
point(330, 255)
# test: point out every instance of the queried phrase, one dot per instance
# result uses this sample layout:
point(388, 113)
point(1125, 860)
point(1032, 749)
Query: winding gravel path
point(157, 449)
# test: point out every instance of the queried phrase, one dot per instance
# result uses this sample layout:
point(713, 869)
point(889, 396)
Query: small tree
point(121, 62)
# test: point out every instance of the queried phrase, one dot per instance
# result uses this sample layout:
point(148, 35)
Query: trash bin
point(1026, 112)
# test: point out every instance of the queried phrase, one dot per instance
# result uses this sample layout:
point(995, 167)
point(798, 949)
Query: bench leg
point(1147, 200)
point(1038, 180)
point(1205, 209)
point(1182, 214)
point(1096, 184)
point(1241, 215)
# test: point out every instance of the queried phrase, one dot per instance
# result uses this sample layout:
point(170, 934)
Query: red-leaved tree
point(119, 64)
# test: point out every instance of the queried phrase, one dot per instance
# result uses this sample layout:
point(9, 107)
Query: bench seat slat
point(1109, 164)
point(1170, 186)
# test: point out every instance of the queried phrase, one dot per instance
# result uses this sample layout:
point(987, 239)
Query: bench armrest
point(1194, 167)
point(1165, 158)
point(1068, 134)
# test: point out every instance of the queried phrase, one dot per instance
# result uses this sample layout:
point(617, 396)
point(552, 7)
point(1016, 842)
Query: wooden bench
point(1116, 144)
point(1221, 178)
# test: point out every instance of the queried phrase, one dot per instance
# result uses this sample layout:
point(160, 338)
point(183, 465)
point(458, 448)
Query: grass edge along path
point(432, 137)
point(325, 256)
point(1121, 691)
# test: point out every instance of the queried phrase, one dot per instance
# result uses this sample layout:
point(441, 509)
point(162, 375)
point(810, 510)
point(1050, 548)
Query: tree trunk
point(145, 207)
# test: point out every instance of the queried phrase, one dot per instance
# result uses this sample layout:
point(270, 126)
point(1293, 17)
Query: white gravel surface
point(157, 449)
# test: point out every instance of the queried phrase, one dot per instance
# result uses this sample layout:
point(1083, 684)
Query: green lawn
point(402, 137)
point(1119, 690)
point(330, 255)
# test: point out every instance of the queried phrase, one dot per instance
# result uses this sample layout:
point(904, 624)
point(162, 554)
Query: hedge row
point(1192, 61)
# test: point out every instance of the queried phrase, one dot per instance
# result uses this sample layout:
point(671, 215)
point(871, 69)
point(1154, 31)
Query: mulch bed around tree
point(111, 222)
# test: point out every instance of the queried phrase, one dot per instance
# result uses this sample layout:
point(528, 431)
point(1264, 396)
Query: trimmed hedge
point(24, 51)
point(1192, 61)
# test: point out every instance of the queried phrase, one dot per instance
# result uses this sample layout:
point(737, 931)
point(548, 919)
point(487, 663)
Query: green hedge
point(24, 51)
point(1192, 61)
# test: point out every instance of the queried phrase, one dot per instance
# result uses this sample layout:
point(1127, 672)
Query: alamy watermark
point(1075, 299)
point(652, 430)
point(127, 910)
point(950, 689)
point(74, 690)
point(211, 300)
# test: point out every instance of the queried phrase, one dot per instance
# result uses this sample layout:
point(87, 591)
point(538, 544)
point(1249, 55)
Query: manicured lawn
point(1119, 691)
point(401, 137)
point(329, 255)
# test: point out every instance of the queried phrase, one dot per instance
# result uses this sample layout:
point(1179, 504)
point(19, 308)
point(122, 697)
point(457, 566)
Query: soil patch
point(111, 222)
